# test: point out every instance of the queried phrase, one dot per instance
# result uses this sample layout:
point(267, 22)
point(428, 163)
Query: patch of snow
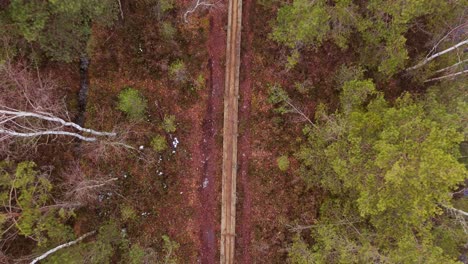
point(205, 183)
point(145, 214)
point(175, 142)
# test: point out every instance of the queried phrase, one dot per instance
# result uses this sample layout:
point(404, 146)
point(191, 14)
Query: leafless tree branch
point(444, 37)
point(458, 211)
point(446, 76)
point(47, 132)
point(460, 192)
point(297, 110)
point(459, 215)
point(427, 60)
point(71, 243)
point(452, 66)
point(85, 190)
point(199, 3)
point(10, 115)
point(92, 184)
point(120, 8)
point(31, 107)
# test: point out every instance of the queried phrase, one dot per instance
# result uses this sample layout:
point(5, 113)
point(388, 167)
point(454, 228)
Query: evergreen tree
point(376, 28)
point(61, 28)
point(388, 169)
point(27, 208)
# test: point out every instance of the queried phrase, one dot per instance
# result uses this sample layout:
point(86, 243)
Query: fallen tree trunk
point(71, 243)
point(15, 123)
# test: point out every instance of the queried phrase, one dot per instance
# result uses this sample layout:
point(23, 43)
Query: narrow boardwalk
point(231, 94)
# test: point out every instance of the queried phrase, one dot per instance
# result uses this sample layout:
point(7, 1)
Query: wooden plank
point(230, 132)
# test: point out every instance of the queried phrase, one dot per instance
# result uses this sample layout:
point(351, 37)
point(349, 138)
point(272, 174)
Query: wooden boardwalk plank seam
point(229, 170)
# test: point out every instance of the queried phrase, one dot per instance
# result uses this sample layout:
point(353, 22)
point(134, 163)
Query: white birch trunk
point(71, 243)
point(424, 62)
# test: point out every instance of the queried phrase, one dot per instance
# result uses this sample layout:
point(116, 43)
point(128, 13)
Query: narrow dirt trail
point(210, 154)
point(230, 132)
point(244, 224)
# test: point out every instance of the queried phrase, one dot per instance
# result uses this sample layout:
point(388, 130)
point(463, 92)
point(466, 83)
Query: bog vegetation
point(380, 143)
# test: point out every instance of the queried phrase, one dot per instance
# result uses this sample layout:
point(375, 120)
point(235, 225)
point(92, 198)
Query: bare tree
point(433, 54)
point(428, 59)
point(456, 65)
point(451, 34)
point(198, 4)
point(24, 88)
point(448, 76)
point(41, 123)
point(459, 215)
point(85, 190)
point(280, 96)
point(31, 107)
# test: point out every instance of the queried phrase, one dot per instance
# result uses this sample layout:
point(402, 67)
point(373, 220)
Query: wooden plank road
point(230, 131)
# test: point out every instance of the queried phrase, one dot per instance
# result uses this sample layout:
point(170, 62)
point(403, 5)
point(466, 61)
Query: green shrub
point(348, 73)
point(165, 5)
point(167, 30)
point(279, 98)
point(127, 213)
point(178, 71)
point(199, 82)
point(283, 163)
point(136, 254)
point(293, 59)
point(170, 249)
point(169, 124)
point(158, 143)
point(132, 103)
point(304, 87)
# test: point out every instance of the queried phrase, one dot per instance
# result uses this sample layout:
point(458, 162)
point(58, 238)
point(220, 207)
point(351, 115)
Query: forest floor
point(184, 203)
point(209, 157)
point(179, 192)
point(244, 223)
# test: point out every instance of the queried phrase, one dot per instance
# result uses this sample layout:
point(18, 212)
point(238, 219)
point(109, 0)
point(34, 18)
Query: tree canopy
point(376, 29)
point(388, 169)
point(61, 28)
point(27, 207)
